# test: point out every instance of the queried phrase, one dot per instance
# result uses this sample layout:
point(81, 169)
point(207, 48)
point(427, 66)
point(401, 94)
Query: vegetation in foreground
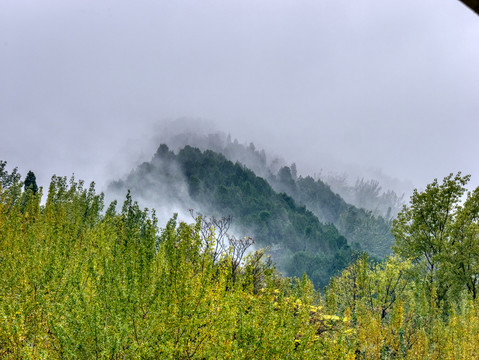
point(78, 281)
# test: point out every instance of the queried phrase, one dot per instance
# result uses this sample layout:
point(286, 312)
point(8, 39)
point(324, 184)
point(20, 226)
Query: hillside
point(299, 241)
point(371, 232)
point(363, 217)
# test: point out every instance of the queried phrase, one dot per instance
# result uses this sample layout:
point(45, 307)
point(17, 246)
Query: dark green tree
point(31, 182)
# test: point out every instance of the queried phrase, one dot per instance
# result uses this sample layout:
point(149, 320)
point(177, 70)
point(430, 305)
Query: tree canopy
point(439, 232)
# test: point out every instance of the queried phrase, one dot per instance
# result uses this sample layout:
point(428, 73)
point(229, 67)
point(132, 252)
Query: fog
point(367, 88)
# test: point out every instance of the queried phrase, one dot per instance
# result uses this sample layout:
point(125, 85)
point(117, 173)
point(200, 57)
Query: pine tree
point(31, 182)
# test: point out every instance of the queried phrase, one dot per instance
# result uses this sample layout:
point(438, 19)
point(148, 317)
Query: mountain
point(370, 232)
point(361, 213)
point(207, 180)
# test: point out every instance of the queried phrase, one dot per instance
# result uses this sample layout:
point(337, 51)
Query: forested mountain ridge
point(301, 243)
point(368, 227)
point(367, 194)
point(371, 232)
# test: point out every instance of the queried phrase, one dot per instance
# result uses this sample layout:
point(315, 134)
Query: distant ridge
point(222, 187)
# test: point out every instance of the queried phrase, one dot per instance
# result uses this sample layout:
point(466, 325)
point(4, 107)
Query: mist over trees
point(367, 225)
point(187, 180)
point(363, 193)
point(367, 194)
point(371, 232)
point(219, 187)
point(255, 159)
point(159, 184)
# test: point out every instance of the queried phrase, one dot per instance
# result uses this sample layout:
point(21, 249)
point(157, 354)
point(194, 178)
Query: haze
point(336, 85)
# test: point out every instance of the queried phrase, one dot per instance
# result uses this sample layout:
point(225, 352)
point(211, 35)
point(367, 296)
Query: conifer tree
point(31, 182)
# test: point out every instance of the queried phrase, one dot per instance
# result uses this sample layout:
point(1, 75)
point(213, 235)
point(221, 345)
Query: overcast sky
point(389, 85)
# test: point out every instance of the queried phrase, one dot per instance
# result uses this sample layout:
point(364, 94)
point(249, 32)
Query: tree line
point(81, 280)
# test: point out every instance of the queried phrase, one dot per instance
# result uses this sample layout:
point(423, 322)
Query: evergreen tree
point(31, 182)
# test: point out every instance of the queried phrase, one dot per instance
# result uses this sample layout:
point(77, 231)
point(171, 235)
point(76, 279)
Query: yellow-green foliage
point(80, 282)
point(77, 282)
point(392, 317)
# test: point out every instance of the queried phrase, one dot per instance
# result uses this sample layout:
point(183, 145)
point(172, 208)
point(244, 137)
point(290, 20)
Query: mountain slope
point(363, 228)
point(220, 187)
point(372, 233)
